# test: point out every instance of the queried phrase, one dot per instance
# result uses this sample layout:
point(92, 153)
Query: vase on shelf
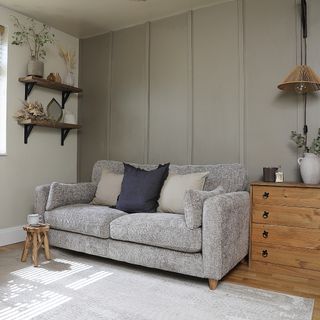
point(35, 67)
point(310, 168)
point(58, 78)
point(69, 78)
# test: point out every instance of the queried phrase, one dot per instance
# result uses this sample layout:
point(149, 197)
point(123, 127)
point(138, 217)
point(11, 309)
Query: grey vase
point(35, 68)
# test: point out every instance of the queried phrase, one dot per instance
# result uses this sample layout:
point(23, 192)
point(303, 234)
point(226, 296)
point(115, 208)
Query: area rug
point(76, 286)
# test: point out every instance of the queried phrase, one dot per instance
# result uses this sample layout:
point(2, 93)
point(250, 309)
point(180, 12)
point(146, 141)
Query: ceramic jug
point(310, 168)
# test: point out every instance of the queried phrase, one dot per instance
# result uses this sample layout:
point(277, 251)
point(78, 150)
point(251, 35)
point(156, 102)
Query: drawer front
point(287, 196)
point(294, 257)
point(286, 236)
point(287, 216)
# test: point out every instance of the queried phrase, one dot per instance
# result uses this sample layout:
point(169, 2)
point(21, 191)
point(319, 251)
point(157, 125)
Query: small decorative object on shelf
point(54, 111)
point(31, 111)
point(58, 78)
point(69, 57)
point(51, 77)
point(279, 175)
point(69, 118)
point(36, 37)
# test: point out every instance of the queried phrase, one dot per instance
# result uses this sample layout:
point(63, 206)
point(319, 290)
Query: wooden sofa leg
point(213, 284)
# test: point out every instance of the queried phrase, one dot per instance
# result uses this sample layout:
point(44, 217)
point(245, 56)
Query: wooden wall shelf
point(64, 127)
point(65, 90)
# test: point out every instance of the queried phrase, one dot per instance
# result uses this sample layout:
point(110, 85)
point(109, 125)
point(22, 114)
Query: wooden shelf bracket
point(27, 130)
point(28, 86)
point(64, 134)
point(65, 96)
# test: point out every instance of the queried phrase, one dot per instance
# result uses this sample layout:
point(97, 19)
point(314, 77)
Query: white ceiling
point(84, 18)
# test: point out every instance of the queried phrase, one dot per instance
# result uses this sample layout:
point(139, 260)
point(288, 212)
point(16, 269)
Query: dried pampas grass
point(69, 58)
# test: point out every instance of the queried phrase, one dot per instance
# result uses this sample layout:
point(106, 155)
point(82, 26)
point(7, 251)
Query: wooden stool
point(37, 237)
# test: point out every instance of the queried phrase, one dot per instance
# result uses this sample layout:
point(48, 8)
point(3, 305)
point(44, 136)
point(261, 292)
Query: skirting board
point(11, 235)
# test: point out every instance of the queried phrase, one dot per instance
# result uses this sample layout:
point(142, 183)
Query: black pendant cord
point(304, 35)
point(305, 127)
point(304, 18)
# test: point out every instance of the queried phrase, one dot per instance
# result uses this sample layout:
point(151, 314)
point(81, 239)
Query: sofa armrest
point(40, 200)
point(62, 194)
point(225, 239)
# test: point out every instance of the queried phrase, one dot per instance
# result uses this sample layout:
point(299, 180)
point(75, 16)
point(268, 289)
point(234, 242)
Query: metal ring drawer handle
point(265, 234)
point(264, 253)
point(265, 214)
point(265, 195)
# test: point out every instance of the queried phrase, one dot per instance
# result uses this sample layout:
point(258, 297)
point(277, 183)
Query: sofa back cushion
point(232, 177)
point(140, 189)
point(173, 191)
point(108, 189)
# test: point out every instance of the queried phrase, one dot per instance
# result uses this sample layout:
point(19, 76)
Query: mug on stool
point(33, 219)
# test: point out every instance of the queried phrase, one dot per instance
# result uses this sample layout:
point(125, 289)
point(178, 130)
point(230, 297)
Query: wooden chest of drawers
point(285, 227)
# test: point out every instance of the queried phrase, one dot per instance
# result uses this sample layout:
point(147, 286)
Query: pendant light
point(302, 79)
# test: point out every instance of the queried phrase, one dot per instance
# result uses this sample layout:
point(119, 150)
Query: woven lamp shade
point(302, 79)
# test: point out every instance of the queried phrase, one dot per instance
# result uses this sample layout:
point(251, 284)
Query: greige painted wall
point(270, 53)
point(216, 83)
point(168, 124)
point(200, 87)
point(43, 159)
point(94, 77)
point(128, 95)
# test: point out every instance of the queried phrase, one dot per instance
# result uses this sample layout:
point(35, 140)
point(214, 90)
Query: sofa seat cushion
point(164, 230)
point(84, 219)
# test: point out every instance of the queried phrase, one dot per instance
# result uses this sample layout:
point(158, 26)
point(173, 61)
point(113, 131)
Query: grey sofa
point(159, 240)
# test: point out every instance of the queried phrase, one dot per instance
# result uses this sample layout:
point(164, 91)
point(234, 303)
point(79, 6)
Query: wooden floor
point(264, 280)
point(277, 282)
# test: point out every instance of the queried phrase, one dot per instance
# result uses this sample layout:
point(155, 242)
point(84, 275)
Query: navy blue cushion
point(140, 189)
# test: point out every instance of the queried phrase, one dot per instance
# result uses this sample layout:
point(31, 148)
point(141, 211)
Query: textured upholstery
point(83, 218)
point(62, 194)
point(231, 176)
point(152, 257)
point(193, 205)
point(225, 232)
point(223, 236)
point(164, 230)
point(41, 195)
point(79, 242)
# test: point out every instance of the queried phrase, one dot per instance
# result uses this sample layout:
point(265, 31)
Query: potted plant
point(310, 163)
point(36, 37)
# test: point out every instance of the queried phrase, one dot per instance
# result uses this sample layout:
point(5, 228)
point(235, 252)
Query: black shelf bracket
point(65, 96)
point(64, 134)
point(27, 89)
point(27, 130)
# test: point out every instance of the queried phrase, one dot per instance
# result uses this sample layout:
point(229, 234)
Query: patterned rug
point(76, 286)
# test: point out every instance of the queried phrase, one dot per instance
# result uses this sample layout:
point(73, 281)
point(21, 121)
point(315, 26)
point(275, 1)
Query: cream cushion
point(174, 188)
point(108, 189)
